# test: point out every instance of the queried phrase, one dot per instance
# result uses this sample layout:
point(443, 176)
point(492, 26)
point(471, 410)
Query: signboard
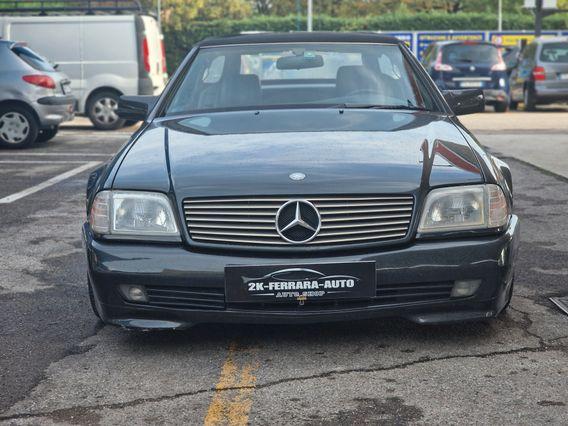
point(425, 39)
point(505, 38)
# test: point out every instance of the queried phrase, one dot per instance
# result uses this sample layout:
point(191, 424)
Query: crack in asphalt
point(528, 323)
point(73, 411)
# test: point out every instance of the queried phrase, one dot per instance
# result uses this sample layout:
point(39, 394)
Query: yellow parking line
point(232, 400)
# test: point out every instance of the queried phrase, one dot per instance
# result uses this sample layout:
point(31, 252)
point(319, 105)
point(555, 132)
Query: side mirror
point(135, 108)
point(468, 101)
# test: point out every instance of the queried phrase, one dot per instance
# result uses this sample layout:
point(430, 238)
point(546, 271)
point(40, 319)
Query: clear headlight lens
point(133, 213)
point(464, 208)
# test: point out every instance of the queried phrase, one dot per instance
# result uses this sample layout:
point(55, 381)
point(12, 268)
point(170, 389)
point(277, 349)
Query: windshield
point(470, 53)
point(299, 75)
point(555, 52)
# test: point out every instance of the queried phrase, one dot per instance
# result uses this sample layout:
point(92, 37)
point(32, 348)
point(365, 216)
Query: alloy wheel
point(14, 127)
point(105, 110)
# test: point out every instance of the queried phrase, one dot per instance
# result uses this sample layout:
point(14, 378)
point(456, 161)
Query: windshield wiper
point(409, 107)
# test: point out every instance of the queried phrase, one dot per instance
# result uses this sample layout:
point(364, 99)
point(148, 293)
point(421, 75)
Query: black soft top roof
point(301, 37)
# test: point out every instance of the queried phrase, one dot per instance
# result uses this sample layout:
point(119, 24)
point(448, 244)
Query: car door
point(522, 73)
point(116, 67)
point(514, 82)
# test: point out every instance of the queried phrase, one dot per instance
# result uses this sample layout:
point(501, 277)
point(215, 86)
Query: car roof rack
point(89, 7)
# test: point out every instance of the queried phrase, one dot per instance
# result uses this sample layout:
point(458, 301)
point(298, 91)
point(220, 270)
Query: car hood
point(248, 153)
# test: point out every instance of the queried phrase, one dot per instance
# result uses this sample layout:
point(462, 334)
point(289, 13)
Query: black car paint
point(174, 156)
point(363, 150)
point(433, 261)
point(393, 153)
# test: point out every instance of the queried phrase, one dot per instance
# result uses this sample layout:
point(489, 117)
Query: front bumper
point(490, 259)
point(54, 110)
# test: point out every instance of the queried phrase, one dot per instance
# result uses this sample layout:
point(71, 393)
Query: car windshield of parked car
point(299, 75)
point(555, 52)
point(470, 53)
point(32, 59)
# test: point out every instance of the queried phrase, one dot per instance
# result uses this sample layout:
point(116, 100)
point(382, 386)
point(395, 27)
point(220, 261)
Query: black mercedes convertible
point(302, 177)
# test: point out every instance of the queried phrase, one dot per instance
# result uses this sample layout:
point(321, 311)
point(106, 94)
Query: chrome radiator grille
point(344, 219)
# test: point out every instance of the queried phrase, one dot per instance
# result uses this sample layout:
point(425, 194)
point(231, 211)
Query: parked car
point(105, 56)
point(300, 177)
point(34, 98)
point(469, 64)
point(541, 76)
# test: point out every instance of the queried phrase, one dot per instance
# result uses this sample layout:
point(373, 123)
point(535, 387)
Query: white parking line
point(92, 133)
point(49, 182)
point(40, 161)
point(55, 154)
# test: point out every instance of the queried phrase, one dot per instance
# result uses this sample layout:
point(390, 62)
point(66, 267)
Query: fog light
point(133, 293)
point(465, 288)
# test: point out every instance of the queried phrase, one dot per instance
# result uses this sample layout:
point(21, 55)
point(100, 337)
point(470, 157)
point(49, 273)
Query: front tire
point(101, 110)
point(501, 107)
point(47, 134)
point(513, 105)
point(529, 99)
point(18, 127)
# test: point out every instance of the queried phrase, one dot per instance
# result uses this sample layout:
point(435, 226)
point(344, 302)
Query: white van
point(105, 56)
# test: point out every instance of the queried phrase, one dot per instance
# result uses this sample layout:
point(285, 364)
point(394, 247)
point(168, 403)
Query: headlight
point(133, 213)
point(464, 208)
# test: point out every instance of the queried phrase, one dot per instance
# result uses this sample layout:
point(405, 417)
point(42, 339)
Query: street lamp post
point(500, 16)
point(310, 15)
point(538, 18)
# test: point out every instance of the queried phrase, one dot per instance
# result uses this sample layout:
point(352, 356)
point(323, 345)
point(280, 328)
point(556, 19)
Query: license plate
point(563, 76)
point(471, 84)
point(300, 283)
point(66, 88)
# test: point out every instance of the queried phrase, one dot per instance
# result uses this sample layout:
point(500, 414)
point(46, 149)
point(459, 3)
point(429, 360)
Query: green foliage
point(183, 35)
point(177, 13)
point(363, 8)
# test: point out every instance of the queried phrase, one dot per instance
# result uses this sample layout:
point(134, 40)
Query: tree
point(177, 12)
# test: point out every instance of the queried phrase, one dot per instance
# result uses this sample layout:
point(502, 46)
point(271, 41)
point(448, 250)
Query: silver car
point(34, 98)
point(541, 75)
point(106, 55)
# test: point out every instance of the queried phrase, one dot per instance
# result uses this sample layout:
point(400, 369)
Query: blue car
point(469, 65)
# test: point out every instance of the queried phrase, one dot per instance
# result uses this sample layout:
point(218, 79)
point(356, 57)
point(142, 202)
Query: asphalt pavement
point(59, 365)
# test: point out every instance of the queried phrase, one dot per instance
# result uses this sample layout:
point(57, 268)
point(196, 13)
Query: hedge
point(180, 40)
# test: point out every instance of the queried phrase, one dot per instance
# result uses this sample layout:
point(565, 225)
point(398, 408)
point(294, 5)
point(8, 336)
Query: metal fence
point(418, 41)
